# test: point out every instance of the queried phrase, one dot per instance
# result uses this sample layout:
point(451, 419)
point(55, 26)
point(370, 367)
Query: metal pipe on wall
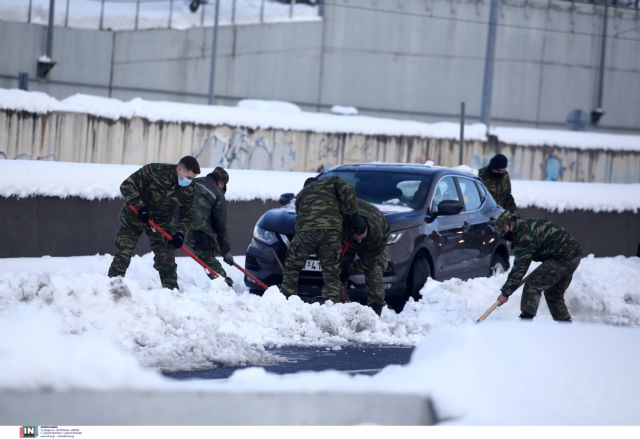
point(597, 112)
point(292, 4)
point(137, 14)
point(52, 6)
point(233, 12)
point(214, 43)
point(170, 12)
point(101, 15)
point(489, 59)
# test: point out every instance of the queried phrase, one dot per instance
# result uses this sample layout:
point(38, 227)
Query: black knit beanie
point(498, 161)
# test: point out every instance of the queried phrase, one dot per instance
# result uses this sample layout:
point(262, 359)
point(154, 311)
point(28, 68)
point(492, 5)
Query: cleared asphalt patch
point(357, 359)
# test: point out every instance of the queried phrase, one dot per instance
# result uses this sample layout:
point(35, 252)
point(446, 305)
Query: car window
point(387, 189)
point(482, 190)
point(470, 194)
point(445, 190)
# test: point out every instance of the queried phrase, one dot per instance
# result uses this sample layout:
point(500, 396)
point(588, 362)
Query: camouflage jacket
point(500, 188)
point(210, 212)
point(156, 186)
point(322, 204)
point(538, 240)
point(377, 235)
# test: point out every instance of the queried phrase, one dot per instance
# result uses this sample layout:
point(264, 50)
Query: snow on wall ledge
point(27, 178)
point(272, 118)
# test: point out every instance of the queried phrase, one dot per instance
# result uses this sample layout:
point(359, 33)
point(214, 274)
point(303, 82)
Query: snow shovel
point(497, 304)
point(255, 279)
point(184, 248)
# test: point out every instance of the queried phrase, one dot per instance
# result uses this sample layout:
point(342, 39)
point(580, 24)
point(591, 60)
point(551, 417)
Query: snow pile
point(208, 324)
point(25, 178)
point(267, 105)
point(50, 357)
point(530, 374)
point(267, 115)
point(565, 196)
point(92, 181)
point(95, 336)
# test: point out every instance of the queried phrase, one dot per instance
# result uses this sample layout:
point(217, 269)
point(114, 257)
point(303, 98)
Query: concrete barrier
point(135, 407)
point(73, 226)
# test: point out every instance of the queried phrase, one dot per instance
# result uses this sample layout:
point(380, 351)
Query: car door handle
point(466, 227)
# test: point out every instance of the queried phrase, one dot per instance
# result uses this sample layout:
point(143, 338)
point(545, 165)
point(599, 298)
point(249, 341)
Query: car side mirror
point(286, 198)
point(450, 207)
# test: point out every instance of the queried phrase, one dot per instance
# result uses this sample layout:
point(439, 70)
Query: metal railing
point(172, 14)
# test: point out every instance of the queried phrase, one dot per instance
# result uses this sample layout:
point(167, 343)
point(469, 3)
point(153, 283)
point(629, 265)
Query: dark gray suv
point(441, 227)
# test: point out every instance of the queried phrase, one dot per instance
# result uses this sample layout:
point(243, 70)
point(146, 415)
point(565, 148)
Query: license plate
point(312, 265)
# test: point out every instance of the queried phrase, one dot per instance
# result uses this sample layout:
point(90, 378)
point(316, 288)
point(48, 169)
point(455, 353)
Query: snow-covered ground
point(89, 335)
point(26, 178)
point(502, 371)
point(152, 14)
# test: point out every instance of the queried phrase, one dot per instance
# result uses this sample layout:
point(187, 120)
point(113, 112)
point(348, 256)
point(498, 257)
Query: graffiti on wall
point(553, 169)
point(242, 151)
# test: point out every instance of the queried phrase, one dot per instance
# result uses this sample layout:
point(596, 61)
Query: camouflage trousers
point(326, 244)
point(164, 260)
point(204, 247)
point(373, 267)
point(553, 277)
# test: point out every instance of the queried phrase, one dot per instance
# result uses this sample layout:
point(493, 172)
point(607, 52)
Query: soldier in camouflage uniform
point(496, 179)
point(156, 190)
point(368, 240)
point(321, 207)
point(539, 240)
point(209, 226)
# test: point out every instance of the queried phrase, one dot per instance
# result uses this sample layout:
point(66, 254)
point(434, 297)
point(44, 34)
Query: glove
point(228, 258)
point(177, 240)
point(143, 214)
point(344, 275)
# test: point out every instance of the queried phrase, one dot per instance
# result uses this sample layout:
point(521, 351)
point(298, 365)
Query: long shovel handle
point(488, 311)
point(497, 304)
point(241, 268)
point(184, 248)
point(255, 279)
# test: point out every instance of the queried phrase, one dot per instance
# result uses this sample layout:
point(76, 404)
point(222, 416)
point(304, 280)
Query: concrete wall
point(74, 227)
point(414, 59)
point(136, 407)
point(76, 137)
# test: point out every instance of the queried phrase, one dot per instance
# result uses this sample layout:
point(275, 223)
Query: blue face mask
point(184, 182)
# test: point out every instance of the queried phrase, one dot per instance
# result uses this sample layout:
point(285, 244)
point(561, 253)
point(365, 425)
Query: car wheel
point(498, 265)
point(418, 274)
point(257, 291)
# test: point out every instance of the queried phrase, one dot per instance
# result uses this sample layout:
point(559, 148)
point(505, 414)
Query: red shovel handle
point(184, 248)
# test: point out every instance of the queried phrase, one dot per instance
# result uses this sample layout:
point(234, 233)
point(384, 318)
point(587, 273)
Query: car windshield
point(387, 190)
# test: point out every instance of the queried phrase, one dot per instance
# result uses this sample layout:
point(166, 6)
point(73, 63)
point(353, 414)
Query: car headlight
point(263, 235)
point(394, 237)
